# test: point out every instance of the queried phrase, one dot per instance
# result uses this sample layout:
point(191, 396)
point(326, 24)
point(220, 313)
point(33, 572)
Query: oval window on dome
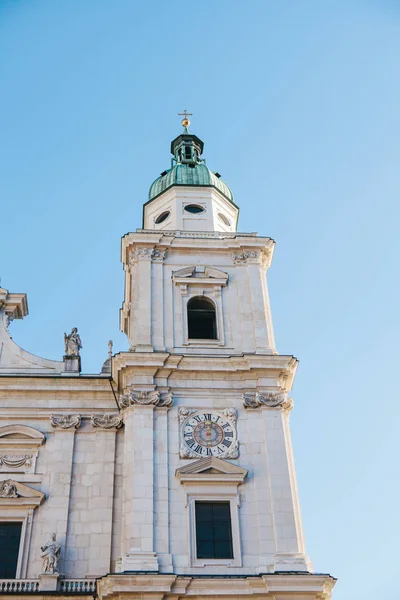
point(163, 217)
point(224, 219)
point(194, 208)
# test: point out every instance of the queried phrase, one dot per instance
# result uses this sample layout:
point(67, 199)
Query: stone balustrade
point(66, 586)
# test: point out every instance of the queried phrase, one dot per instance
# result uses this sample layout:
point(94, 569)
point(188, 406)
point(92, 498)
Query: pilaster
point(290, 551)
point(138, 553)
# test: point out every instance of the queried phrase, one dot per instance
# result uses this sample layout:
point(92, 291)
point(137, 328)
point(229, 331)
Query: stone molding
point(267, 399)
point(306, 585)
point(136, 397)
point(211, 469)
point(106, 421)
point(65, 421)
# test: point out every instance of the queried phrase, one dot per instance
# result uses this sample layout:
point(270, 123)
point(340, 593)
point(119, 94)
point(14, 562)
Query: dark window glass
point(10, 535)
point(162, 217)
point(188, 152)
point(201, 319)
point(213, 530)
point(194, 208)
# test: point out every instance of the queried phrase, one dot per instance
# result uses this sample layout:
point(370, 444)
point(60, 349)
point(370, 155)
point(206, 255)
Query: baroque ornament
point(8, 489)
point(16, 461)
point(65, 421)
point(145, 398)
point(107, 421)
point(242, 258)
point(147, 253)
point(268, 399)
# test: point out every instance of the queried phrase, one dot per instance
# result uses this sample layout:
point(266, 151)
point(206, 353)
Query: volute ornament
point(107, 421)
point(65, 421)
point(145, 398)
point(268, 399)
point(244, 257)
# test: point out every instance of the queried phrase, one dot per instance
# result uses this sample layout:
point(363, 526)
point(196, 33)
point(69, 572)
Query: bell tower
point(209, 484)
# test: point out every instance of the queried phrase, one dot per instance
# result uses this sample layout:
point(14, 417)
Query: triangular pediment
point(15, 492)
point(211, 469)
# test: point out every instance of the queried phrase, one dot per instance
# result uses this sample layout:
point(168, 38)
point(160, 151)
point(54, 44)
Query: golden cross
point(185, 121)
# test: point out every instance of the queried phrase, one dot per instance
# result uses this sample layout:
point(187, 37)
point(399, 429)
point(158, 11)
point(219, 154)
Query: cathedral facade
point(170, 473)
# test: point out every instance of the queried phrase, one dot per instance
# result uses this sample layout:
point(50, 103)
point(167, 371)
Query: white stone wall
point(154, 307)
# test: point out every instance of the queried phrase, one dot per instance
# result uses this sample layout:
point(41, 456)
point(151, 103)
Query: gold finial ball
point(185, 122)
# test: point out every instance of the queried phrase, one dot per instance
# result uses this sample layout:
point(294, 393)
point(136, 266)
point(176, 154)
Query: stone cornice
point(150, 245)
point(279, 369)
point(157, 586)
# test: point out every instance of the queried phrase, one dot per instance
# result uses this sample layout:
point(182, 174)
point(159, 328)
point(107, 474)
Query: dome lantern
point(189, 196)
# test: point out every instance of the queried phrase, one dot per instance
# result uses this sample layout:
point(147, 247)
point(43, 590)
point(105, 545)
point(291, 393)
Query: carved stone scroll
point(107, 421)
point(147, 253)
point(241, 258)
point(268, 399)
point(65, 421)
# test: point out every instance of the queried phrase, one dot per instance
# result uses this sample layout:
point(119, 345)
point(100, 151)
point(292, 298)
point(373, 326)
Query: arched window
point(202, 323)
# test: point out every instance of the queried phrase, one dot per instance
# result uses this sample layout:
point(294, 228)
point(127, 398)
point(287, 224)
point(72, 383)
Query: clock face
point(208, 434)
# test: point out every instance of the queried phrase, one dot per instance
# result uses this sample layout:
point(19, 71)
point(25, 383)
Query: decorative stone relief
point(8, 489)
point(65, 421)
point(242, 258)
point(159, 254)
point(9, 320)
point(107, 421)
point(16, 461)
point(147, 253)
point(269, 399)
point(263, 258)
point(145, 398)
point(50, 553)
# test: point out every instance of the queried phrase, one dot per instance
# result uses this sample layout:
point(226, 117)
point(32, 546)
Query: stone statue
point(72, 343)
point(110, 348)
point(8, 490)
point(50, 555)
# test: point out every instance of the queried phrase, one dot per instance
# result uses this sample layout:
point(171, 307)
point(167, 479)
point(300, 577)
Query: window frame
point(215, 319)
point(212, 480)
point(217, 495)
point(19, 440)
point(24, 523)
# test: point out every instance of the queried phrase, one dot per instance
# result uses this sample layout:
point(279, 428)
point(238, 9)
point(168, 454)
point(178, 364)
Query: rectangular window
point(10, 536)
point(213, 530)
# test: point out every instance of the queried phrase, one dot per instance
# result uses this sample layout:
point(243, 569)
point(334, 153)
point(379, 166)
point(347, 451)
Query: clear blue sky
point(298, 105)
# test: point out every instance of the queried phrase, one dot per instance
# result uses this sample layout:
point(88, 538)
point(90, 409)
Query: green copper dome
point(188, 169)
point(184, 174)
